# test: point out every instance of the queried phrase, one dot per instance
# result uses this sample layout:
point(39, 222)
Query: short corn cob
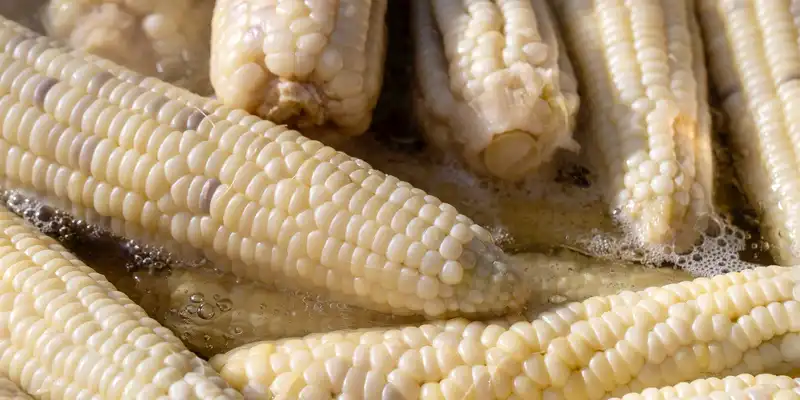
point(10, 391)
point(167, 39)
point(496, 77)
point(755, 62)
point(643, 78)
point(730, 387)
point(278, 206)
point(306, 63)
point(603, 346)
point(67, 333)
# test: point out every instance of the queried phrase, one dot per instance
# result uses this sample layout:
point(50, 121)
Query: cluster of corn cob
point(746, 386)
point(67, 333)
point(279, 206)
point(167, 39)
point(643, 76)
point(614, 345)
point(755, 61)
point(496, 82)
point(307, 63)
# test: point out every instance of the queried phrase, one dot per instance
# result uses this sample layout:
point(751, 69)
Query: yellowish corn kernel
point(167, 39)
point(602, 346)
point(278, 206)
point(304, 63)
point(67, 333)
point(496, 82)
point(754, 60)
point(642, 71)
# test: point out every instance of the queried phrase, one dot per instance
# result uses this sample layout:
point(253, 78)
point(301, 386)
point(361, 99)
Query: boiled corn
point(305, 63)
point(603, 346)
point(496, 81)
point(10, 391)
point(280, 207)
point(643, 78)
point(67, 333)
point(730, 387)
point(754, 60)
point(167, 39)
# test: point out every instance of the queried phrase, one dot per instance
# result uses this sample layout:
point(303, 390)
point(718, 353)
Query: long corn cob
point(167, 39)
point(10, 391)
point(305, 63)
point(281, 207)
point(67, 333)
point(603, 346)
point(642, 73)
point(755, 61)
point(496, 81)
point(764, 386)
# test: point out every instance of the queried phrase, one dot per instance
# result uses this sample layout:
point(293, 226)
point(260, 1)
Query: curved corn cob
point(730, 387)
point(279, 206)
point(755, 62)
point(10, 391)
point(167, 39)
point(603, 346)
point(305, 63)
point(642, 71)
point(67, 333)
point(496, 75)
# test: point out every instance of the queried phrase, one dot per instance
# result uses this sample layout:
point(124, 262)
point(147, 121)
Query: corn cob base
point(305, 64)
point(10, 391)
point(505, 107)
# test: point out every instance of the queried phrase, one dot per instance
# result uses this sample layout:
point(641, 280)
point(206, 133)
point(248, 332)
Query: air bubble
point(206, 311)
point(224, 305)
point(196, 298)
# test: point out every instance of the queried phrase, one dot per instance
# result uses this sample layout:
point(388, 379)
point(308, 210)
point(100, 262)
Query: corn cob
point(67, 333)
point(496, 78)
point(731, 387)
point(603, 346)
point(10, 391)
point(754, 61)
point(167, 39)
point(282, 208)
point(641, 67)
point(307, 64)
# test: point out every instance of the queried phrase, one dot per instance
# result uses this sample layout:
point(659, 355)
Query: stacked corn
point(496, 82)
point(755, 62)
point(282, 208)
point(167, 39)
point(67, 333)
point(764, 386)
point(306, 63)
point(10, 391)
point(604, 346)
point(643, 76)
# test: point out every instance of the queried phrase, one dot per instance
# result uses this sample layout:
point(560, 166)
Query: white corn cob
point(167, 39)
point(643, 78)
point(755, 61)
point(496, 78)
point(10, 391)
point(67, 333)
point(306, 63)
point(280, 207)
point(747, 386)
point(603, 346)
